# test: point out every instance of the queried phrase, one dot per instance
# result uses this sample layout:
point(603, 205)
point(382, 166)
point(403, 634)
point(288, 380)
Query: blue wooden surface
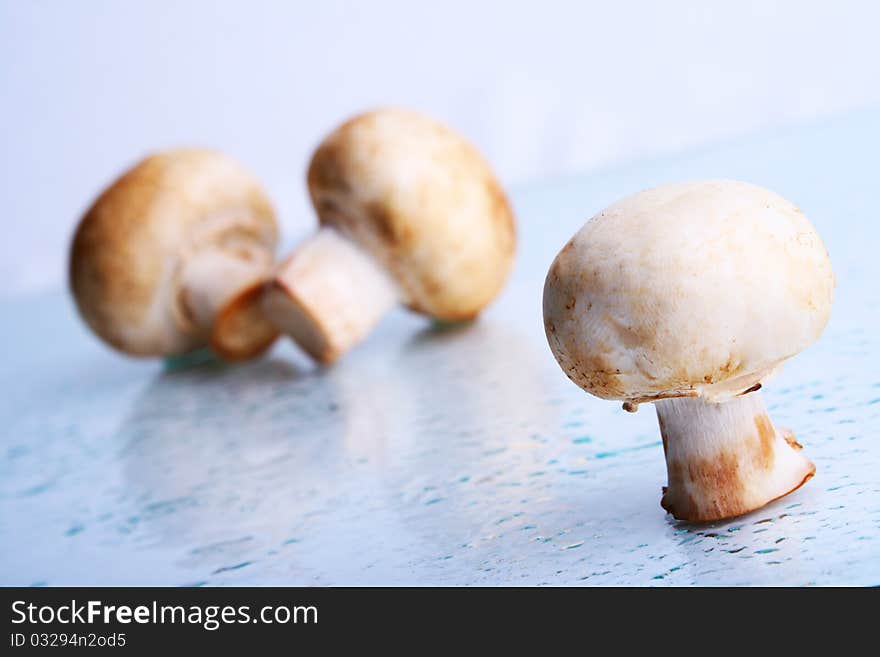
point(458, 456)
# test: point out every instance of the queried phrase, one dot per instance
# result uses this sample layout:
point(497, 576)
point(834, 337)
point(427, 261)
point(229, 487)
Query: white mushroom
point(173, 256)
point(690, 295)
point(410, 213)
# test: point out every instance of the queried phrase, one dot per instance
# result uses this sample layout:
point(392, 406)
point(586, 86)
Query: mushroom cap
point(689, 289)
point(130, 247)
point(423, 202)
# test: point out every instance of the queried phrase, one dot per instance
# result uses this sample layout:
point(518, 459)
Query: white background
point(544, 89)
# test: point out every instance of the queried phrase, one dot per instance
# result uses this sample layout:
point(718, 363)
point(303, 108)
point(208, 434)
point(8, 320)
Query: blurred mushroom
point(410, 212)
point(173, 255)
point(690, 295)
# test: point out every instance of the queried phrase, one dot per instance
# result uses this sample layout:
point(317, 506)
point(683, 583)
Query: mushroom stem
point(220, 300)
point(726, 459)
point(329, 294)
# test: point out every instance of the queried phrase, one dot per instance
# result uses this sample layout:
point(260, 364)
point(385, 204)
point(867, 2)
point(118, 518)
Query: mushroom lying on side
point(690, 295)
point(173, 256)
point(410, 212)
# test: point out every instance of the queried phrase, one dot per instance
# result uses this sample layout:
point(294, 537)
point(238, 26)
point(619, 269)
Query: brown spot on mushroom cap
point(423, 202)
point(129, 246)
point(396, 234)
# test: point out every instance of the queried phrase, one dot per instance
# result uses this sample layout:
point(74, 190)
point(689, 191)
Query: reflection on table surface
point(444, 455)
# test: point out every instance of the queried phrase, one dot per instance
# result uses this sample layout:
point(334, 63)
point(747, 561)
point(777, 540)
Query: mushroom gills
point(218, 300)
point(329, 295)
point(726, 459)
